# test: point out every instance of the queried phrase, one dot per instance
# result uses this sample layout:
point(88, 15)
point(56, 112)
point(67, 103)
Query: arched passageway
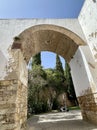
point(43, 38)
point(59, 36)
point(46, 38)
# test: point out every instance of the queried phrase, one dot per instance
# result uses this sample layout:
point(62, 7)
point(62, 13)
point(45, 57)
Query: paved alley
point(71, 120)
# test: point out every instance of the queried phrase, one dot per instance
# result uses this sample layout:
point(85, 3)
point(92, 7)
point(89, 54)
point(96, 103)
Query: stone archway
point(55, 39)
point(45, 38)
point(82, 60)
point(30, 41)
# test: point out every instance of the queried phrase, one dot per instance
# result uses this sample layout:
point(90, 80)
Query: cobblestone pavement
point(71, 120)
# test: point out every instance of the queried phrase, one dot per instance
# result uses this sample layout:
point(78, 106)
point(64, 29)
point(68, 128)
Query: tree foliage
point(59, 72)
point(37, 82)
point(59, 67)
point(56, 79)
point(44, 86)
point(36, 59)
point(69, 82)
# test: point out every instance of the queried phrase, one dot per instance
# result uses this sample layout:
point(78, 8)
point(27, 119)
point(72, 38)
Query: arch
point(47, 37)
point(38, 38)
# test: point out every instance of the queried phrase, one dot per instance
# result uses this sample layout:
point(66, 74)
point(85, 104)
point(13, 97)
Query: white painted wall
point(23, 71)
point(13, 27)
point(3, 63)
point(10, 28)
point(88, 22)
point(92, 65)
point(80, 72)
point(83, 65)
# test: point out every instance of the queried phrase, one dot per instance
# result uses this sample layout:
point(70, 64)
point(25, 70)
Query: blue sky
point(41, 9)
point(51, 60)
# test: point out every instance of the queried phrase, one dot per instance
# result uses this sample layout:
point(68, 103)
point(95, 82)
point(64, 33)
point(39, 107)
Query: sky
point(51, 60)
point(41, 9)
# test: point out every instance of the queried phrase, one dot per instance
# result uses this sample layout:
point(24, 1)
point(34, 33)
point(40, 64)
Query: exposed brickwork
point(88, 104)
point(8, 104)
point(13, 105)
point(21, 115)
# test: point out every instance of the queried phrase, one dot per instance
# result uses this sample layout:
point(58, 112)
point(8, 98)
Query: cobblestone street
point(71, 120)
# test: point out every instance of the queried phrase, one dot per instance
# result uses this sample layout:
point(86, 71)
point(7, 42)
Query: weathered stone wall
point(88, 21)
point(8, 92)
point(63, 100)
point(13, 94)
point(13, 105)
point(10, 28)
point(13, 87)
point(88, 105)
point(21, 106)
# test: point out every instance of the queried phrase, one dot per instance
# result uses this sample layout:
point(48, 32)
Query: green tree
point(59, 72)
point(36, 83)
point(56, 79)
point(69, 82)
point(53, 83)
point(36, 60)
point(59, 67)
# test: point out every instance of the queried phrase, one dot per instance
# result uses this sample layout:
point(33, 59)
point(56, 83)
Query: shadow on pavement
point(59, 121)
